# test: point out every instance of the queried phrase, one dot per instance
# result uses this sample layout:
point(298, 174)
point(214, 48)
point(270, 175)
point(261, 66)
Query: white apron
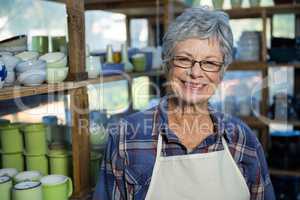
point(205, 176)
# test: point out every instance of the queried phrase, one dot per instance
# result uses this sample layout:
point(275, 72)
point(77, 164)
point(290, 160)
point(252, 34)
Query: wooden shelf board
point(291, 122)
point(256, 12)
point(279, 172)
point(296, 65)
point(22, 91)
point(249, 65)
point(254, 122)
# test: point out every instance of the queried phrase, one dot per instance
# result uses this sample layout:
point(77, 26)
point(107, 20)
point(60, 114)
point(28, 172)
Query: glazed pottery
point(56, 187)
point(27, 176)
point(37, 163)
point(11, 139)
point(5, 187)
point(11, 172)
point(60, 162)
point(28, 190)
point(35, 139)
point(15, 160)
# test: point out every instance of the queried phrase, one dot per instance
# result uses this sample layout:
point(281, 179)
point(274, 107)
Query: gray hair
point(200, 23)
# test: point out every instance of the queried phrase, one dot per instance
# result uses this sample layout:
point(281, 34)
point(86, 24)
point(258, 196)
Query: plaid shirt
point(131, 150)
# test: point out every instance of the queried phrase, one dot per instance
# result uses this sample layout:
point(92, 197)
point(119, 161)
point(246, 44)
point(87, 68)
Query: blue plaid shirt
point(131, 150)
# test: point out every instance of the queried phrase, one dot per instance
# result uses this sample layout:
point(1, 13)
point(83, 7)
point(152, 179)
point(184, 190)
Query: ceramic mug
point(28, 190)
point(5, 187)
point(11, 172)
point(56, 187)
point(37, 163)
point(60, 162)
point(35, 139)
point(27, 176)
point(15, 160)
point(95, 167)
point(11, 139)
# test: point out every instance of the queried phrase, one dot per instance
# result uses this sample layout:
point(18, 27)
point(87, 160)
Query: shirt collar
point(220, 120)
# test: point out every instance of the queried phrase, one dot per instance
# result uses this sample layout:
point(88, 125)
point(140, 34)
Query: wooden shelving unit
point(263, 65)
point(22, 91)
point(279, 172)
point(78, 78)
point(256, 12)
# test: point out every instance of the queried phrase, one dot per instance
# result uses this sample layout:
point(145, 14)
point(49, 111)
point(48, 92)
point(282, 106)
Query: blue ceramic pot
point(3, 73)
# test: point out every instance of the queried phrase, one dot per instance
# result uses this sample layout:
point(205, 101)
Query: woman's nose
point(196, 71)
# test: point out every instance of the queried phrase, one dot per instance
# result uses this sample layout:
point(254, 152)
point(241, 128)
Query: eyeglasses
point(188, 63)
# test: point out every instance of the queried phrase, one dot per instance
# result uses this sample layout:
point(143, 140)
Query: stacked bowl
point(31, 72)
point(57, 69)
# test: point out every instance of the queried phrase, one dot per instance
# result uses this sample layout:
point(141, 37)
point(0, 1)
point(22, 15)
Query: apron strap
point(159, 147)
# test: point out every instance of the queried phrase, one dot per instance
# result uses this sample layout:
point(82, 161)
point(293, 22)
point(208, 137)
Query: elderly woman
point(183, 149)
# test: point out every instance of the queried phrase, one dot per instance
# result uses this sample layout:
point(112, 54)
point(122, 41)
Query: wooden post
point(128, 32)
point(75, 11)
point(168, 13)
point(80, 142)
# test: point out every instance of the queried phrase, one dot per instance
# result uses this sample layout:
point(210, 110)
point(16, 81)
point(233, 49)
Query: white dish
point(28, 55)
point(32, 77)
point(52, 57)
point(30, 65)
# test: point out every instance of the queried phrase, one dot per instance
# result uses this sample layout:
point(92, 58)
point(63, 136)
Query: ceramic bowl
point(52, 57)
point(10, 79)
point(28, 55)
point(30, 65)
point(10, 61)
point(58, 64)
point(57, 75)
point(32, 77)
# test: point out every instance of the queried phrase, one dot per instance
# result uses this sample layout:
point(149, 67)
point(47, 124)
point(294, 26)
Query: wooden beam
point(75, 11)
point(80, 141)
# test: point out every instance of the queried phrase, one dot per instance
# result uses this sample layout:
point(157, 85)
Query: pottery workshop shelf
point(22, 91)
point(256, 12)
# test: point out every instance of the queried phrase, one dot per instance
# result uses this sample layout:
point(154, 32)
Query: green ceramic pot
point(57, 187)
point(60, 162)
point(218, 4)
point(5, 187)
point(13, 161)
point(139, 62)
point(35, 139)
point(11, 172)
point(28, 190)
point(254, 3)
point(37, 163)
point(11, 139)
point(59, 43)
point(40, 44)
point(236, 3)
point(27, 176)
point(95, 167)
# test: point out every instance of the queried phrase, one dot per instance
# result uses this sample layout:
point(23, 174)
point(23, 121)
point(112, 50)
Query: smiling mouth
point(193, 86)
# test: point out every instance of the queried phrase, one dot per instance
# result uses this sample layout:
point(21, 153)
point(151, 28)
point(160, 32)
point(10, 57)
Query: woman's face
point(195, 85)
